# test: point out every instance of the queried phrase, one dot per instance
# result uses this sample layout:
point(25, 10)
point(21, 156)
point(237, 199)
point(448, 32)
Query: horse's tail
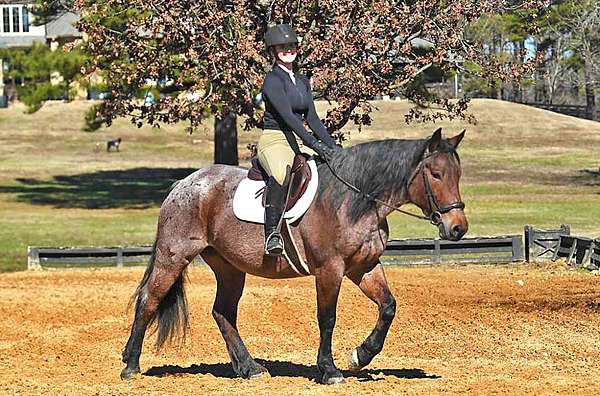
point(172, 312)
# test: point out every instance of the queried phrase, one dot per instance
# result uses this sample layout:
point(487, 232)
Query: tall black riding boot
point(276, 195)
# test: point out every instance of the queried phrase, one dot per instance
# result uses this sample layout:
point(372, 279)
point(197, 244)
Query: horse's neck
point(391, 203)
point(394, 197)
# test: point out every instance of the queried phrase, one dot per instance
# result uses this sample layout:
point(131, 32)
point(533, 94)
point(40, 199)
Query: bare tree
point(556, 65)
point(581, 22)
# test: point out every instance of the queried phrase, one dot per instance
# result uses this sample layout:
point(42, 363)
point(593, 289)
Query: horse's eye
point(436, 175)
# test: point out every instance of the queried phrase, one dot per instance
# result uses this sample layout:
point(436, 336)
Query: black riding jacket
point(288, 104)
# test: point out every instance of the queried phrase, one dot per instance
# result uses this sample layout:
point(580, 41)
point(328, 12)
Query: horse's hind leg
point(230, 286)
point(160, 295)
point(374, 285)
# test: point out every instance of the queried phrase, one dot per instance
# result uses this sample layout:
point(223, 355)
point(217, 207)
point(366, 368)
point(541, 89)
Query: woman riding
point(288, 103)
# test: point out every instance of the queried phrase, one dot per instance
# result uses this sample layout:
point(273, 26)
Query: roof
point(63, 26)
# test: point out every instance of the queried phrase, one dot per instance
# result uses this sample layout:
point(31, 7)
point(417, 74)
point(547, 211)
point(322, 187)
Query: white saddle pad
point(247, 201)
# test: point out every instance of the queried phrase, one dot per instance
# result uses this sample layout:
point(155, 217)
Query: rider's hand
point(324, 150)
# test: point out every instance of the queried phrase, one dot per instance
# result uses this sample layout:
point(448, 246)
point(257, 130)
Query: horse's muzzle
point(453, 225)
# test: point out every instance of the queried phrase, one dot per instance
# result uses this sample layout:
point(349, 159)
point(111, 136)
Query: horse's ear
point(455, 141)
point(434, 140)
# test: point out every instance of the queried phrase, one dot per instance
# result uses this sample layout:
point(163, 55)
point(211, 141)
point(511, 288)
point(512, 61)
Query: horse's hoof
point(334, 379)
point(255, 371)
point(353, 362)
point(259, 375)
point(128, 374)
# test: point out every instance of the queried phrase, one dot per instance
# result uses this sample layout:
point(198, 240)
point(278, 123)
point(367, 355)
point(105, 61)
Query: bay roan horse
point(343, 233)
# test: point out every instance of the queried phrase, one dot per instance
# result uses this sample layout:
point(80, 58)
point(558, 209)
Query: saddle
point(299, 179)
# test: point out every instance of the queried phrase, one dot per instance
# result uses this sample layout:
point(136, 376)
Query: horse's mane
point(379, 168)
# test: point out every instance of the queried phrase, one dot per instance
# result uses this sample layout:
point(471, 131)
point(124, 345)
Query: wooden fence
point(595, 254)
point(579, 111)
point(501, 249)
point(412, 251)
point(74, 256)
point(540, 245)
point(574, 249)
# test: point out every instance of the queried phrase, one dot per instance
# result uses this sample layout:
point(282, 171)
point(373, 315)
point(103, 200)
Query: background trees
point(43, 74)
point(208, 57)
point(566, 43)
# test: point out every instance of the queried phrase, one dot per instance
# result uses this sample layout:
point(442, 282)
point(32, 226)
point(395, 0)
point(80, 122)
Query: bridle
point(435, 211)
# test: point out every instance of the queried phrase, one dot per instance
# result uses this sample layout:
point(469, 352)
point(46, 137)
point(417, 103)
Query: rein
point(435, 217)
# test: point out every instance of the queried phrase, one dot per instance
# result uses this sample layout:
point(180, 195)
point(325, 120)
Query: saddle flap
point(247, 200)
point(301, 175)
point(257, 172)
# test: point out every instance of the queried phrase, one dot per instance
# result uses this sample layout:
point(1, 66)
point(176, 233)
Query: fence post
point(119, 257)
point(528, 242)
point(517, 248)
point(33, 258)
point(437, 258)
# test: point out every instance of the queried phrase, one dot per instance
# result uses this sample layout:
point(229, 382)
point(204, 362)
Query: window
point(15, 19)
point(25, 19)
point(5, 19)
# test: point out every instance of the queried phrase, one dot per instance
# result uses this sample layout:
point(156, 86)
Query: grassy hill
point(59, 186)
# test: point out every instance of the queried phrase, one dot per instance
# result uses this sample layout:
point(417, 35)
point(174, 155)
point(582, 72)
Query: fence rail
point(408, 251)
point(579, 111)
point(540, 245)
point(119, 256)
point(501, 249)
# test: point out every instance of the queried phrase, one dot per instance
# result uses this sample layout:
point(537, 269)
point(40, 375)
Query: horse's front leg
point(328, 281)
point(374, 285)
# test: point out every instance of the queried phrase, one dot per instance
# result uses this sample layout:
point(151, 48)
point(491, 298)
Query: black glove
point(324, 150)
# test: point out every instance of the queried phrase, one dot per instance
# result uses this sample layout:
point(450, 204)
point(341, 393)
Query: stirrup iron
point(274, 245)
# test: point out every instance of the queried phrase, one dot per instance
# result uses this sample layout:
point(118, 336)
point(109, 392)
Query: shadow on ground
point(279, 368)
point(588, 177)
point(132, 188)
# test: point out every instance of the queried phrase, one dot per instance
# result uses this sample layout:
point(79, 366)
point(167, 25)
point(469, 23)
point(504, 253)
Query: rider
point(288, 103)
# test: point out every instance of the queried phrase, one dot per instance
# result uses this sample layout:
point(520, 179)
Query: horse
point(343, 233)
point(113, 144)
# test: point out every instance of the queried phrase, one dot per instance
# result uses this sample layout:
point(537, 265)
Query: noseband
point(435, 211)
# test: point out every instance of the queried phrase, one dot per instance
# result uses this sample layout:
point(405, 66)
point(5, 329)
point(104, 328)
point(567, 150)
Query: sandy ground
point(482, 330)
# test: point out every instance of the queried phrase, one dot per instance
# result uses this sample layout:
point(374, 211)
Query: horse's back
point(201, 194)
point(207, 182)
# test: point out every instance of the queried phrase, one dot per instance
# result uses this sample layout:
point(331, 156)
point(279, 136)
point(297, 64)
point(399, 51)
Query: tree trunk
point(518, 55)
point(590, 96)
point(494, 90)
point(493, 83)
point(226, 140)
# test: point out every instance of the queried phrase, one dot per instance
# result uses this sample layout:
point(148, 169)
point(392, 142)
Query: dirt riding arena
point(485, 330)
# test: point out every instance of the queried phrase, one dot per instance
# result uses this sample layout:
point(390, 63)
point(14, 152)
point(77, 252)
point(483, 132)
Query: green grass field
point(59, 187)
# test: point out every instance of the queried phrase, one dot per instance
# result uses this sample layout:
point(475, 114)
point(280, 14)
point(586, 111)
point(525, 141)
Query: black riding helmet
point(280, 34)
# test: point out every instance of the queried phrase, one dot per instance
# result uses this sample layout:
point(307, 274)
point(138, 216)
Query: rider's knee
point(279, 176)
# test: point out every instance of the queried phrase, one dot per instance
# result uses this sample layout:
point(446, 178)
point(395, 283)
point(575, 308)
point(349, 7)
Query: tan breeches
point(275, 153)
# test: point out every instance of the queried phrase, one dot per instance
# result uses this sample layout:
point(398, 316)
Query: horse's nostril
point(457, 230)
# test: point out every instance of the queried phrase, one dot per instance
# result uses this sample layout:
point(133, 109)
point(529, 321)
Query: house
point(17, 30)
